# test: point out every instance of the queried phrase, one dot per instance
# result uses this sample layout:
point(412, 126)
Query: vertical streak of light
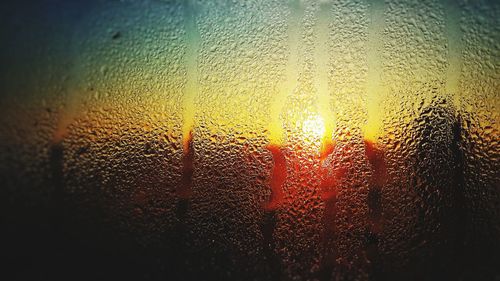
point(192, 48)
point(453, 34)
point(291, 76)
point(374, 87)
point(322, 60)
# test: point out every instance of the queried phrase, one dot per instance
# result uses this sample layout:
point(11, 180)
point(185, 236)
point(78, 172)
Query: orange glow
point(184, 191)
point(327, 147)
point(375, 156)
point(329, 182)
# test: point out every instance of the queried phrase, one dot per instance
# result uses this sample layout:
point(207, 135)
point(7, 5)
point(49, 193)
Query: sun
point(313, 126)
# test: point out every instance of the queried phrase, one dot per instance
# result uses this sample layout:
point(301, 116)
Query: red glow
point(278, 177)
point(330, 176)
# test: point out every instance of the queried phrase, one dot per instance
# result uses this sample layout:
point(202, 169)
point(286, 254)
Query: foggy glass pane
point(250, 140)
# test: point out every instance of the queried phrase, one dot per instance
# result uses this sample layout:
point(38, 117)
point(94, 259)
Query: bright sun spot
point(313, 126)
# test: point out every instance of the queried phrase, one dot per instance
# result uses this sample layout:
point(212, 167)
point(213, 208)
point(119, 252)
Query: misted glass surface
point(250, 140)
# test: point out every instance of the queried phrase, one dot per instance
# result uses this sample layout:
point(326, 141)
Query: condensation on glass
point(296, 140)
